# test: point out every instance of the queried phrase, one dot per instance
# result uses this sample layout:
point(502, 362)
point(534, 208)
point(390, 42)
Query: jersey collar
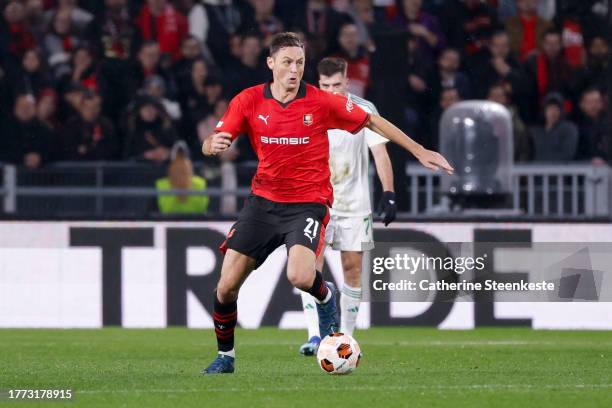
point(300, 94)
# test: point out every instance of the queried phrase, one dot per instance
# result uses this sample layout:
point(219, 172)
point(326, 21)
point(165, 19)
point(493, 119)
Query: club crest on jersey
point(308, 119)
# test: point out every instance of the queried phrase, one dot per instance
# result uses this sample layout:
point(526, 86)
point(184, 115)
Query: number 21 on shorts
point(311, 228)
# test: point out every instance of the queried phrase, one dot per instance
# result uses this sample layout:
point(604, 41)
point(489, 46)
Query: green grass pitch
point(402, 367)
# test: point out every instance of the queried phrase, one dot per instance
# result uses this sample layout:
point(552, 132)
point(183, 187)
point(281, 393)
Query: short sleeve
point(345, 114)
point(234, 120)
point(373, 138)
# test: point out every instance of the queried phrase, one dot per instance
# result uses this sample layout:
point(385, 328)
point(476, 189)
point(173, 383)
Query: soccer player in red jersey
point(287, 122)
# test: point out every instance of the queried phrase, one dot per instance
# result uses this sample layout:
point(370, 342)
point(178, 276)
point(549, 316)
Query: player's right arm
point(229, 127)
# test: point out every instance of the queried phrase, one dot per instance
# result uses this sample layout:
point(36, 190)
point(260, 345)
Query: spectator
point(263, 21)
point(181, 177)
point(213, 90)
point(321, 24)
point(520, 134)
point(197, 18)
point(79, 18)
point(422, 26)
point(155, 87)
point(194, 101)
point(207, 125)
point(150, 134)
point(448, 75)
point(46, 109)
point(191, 49)
point(35, 18)
point(545, 72)
point(31, 77)
point(494, 65)
point(112, 33)
point(570, 24)
point(15, 36)
point(89, 136)
point(468, 23)
point(25, 140)
point(594, 143)
point(160, 21)
point(557, 141)
point(60, 42)
point(362, 14)
point(357, 57)
point(250, 69)
point(448, 97)
point(70, 102)
point(83, 71)
point(417, 101)
point(146, 65)
point(595, 71)
point(222, 19)
point(526, 29)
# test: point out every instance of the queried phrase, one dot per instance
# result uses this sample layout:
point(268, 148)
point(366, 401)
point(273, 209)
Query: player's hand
point(388, 206)
point(434, 161)
point(219, 142)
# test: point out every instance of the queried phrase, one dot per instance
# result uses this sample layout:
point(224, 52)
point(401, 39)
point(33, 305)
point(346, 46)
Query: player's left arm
point(383, 166)
point(387, 204)
point(428, 158)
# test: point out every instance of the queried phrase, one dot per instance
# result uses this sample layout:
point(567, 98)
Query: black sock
point(318, 289)
point(225, 317)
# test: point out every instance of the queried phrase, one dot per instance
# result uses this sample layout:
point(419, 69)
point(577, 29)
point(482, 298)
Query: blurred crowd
point(124, 80)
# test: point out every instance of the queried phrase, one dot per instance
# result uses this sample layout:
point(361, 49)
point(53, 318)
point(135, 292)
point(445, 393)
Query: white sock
point(230, 353)
point(350, 299)
point(310, 313)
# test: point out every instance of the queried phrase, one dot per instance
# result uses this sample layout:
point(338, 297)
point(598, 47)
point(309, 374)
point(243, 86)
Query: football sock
point(230, 353)
point(310, 313)
point(225, 317)
point(350, 299)
point(319, 289)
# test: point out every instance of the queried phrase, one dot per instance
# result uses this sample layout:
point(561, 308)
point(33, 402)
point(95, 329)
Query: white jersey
point(349, 162)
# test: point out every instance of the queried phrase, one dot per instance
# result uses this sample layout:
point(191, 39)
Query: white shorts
point(350, 233)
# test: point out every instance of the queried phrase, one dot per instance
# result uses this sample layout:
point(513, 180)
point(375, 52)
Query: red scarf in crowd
point(169, 29)
point(528, 43)
point(573, 43)
point(543, 79)
point(21, 39)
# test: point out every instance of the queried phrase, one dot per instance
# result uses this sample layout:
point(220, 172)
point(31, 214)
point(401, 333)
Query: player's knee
point(226, 292)
point(352, 275)
point(300, 278)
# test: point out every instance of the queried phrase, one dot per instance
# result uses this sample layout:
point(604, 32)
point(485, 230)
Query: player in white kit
point(350, 227)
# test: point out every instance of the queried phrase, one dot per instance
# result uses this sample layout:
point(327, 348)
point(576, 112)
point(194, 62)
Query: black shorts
point(264, 225)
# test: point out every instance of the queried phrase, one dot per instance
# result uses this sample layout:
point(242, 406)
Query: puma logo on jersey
point(264, 119)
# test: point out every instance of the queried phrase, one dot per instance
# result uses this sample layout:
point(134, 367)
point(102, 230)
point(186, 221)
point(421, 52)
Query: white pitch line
point(345, 388)
point(449, 343)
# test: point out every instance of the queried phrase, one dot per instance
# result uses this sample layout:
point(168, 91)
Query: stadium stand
point(93, 94)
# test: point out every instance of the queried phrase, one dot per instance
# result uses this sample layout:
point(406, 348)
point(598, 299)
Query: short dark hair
point(589, 90)
point(330, 66)
point(551, 31)
point(284, 40)
point(498, 33)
